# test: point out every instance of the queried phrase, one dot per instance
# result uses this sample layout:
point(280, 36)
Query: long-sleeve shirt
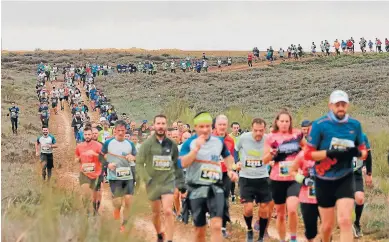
point(157, 162)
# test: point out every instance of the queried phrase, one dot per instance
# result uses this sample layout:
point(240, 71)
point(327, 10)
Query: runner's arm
point(180, 181)
point(141, 163)
point(187, 155)
point(37, 146)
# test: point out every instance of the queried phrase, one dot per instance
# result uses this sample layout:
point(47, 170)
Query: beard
point(88, 140)
point(160, 132)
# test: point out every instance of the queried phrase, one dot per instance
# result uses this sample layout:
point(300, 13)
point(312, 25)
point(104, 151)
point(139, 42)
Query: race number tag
point(253, 162)
point(13, 114)
point(46, 147)
point(210, 173)
point(284, 168)
point(88, 167)
point(161, 163)
point(123, 172)
point(341, 144)
point(357, 163)
point(312, 191)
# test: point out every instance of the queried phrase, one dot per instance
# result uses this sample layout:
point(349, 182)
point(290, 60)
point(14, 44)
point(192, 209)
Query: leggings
point(310, 214)
point(227, 189)
point(14, 122)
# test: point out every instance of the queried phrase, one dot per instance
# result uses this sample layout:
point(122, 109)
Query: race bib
point(210, 173)
point(357, 163)
point(46, 148)
point(341, 144)
point(312, 191)
point(123, 172)
point(284, 168)
point(88, 167)
point(161, 163)
point(13, 114)
point(78, 126)
point(253, 162)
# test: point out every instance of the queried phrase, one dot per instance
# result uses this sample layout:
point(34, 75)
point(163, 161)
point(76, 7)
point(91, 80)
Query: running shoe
point(224, 233)
point(233, 199)
point(357, 231)
point(250, 236)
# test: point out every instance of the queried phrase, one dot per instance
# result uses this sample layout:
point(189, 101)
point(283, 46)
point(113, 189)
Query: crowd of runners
point(190, 174)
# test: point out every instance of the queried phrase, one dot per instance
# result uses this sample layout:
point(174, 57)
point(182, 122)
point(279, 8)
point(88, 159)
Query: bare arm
point(188, 159)
point(229, 161)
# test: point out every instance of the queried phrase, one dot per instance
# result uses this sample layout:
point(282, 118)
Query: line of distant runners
point(319, 166)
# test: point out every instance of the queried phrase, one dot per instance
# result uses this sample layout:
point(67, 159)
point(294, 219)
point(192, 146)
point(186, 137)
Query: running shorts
point(281, 190)
point(213, 205)
point(255, 189)
point(61, 98)
point(328, 192)
point(94, 184)
point(358, 179)
point(120, 188)
point(66, 98)
point(48, 158)
point(53, 105)
point(155, 190)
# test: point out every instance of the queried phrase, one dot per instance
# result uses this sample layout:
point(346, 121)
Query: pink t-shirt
point(307, 193)
point(280, 170)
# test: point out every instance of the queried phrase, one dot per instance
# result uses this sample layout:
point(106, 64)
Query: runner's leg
point(281, 220)
point(327, 216)
point(167, 201)
point(310, 214)
point(43, 169)
point(292, 204)
point(216, 226)
point(87, 194)
point(156, 210)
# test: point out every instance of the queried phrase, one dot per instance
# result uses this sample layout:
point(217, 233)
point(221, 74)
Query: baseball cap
point(339, 96)
point(305, 123)
point(103, 119)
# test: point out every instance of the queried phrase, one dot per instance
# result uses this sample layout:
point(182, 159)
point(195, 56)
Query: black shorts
point(53, 105)
point(119, 188)
point(66, 98)
point(358, 180)
point(61, 98)
point(48, 158)
point(257, 189)
point(281, 190)
point(94, 184)
point(328, 192)
point(214, 205)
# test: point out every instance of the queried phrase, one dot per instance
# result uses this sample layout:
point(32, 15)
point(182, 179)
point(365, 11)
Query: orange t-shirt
point(337, 45)
point(89, 164)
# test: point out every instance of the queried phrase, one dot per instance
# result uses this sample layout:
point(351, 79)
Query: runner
point(173, 67)
point(200, 154)
point(333, 141)
point(44, 148)
point(44, 114)
point(250, 59)
point(87, 155)
point(221, 125)
point(371, 46)
point(54, 100)
point(305, 127)
point(235, 135)
point(175, 135)
point(313, 48)
point(337, 46)
point(282, 146)
point(119, 153)
point(157, 160)
point(386, 44)
point(378, 44)
point(322, 47)
point(359, 189)
point(307, 196)
point(344, 46)
point(77, 123)
point(14, 114)
point(254, 177)
point(106, 133)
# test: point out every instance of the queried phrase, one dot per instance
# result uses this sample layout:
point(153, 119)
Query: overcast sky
point(187, 25)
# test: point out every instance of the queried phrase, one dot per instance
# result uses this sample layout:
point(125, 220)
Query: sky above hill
point(187, 25)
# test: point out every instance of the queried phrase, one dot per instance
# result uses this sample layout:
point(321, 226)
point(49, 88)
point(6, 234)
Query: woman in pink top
point(282, 147)
point(307, 197)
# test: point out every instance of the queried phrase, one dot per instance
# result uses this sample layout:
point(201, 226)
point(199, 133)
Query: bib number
point(253, 162)
point(88, 167)
point(284, 168)
point(123, 172)
point(312, 191)
point(46, 148)
point(161, 163)
point(210, 173)
point(13, 114)
point(357, 163)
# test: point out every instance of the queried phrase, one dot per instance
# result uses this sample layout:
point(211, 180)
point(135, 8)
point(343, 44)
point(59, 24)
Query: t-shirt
point(89, 164)
point(288, 142)
point(307, 193)
point(251, 154)
point(14, 111)
point(45, 143)
point(358, 163)
point(116, 152)
point(329, 133)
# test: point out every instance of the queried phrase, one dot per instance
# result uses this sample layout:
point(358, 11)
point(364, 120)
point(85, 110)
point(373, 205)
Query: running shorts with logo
point(283, 184)
point(335, 178)
point(205, 187)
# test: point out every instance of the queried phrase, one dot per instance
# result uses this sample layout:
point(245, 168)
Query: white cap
point(103, 119)
point(338, 96)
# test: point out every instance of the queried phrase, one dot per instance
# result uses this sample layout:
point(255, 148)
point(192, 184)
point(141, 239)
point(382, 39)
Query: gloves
point(307, 181)
point(347, 153)
point(279, 156)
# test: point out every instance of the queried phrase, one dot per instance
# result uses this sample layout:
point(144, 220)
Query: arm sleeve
point(368, 162)
point(140, 164)
point(133, 149)
point(37, 140)
point(360, 138)
point(185, 148)
point(53, 140)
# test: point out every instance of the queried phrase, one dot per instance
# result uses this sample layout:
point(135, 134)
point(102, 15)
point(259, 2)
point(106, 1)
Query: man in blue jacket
point(14, 113)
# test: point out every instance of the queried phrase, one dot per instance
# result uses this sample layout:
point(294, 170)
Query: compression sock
point(358, 213)
point(94, 208)
point(249, 221)
point(48, 173)
point(262, 227)
point(97, 206)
